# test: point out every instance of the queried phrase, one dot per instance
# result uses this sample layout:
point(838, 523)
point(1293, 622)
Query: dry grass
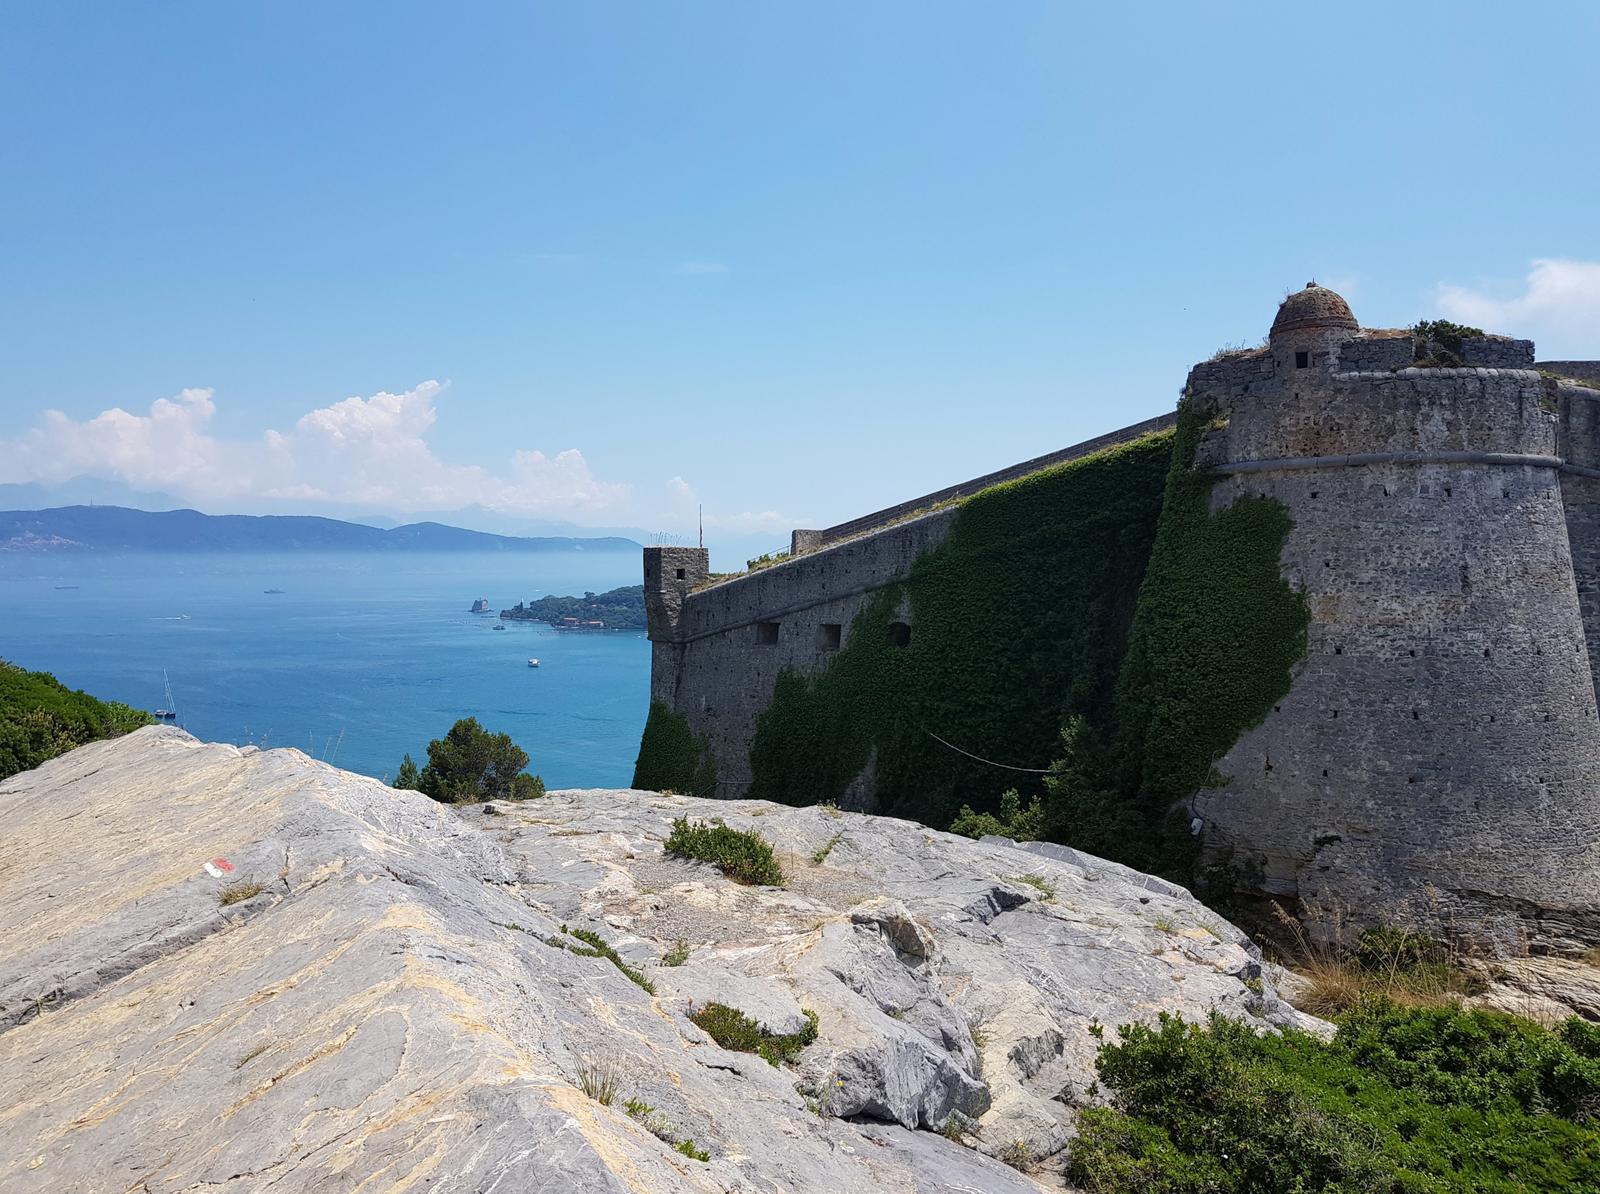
point(237, 893)
point(599, 1078)
point(1337, 981)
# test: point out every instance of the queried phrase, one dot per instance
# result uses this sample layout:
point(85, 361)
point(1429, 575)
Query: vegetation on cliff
point(469, 764)
point(41, 718)
point(743, 856)
point(1403, 1100)
point(618, 609)
point(672, 758)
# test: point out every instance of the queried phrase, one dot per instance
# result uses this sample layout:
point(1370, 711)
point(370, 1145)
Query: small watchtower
point(1309, 327)
point(670, 575)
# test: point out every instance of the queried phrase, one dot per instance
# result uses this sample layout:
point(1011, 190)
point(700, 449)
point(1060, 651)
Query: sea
point(356, 659)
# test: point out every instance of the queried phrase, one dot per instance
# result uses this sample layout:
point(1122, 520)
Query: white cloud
point(361, 452)
point(1559, 308)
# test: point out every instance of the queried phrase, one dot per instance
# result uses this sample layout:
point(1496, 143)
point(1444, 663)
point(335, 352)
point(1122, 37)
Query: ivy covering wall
point(672, 758)
point(1095, 619)
point(1215, 638)
point(1019, 620)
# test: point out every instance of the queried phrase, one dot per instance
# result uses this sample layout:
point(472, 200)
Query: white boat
point(533, 663)
point(500, 626)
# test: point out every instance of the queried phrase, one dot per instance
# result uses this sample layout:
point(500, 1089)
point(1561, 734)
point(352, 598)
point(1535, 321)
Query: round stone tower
point(1436, 763)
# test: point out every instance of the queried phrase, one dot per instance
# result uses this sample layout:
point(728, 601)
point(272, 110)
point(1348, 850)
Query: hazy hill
point(68, 528)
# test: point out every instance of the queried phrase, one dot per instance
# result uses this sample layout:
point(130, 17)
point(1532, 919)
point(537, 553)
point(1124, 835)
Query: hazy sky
point(603, 260)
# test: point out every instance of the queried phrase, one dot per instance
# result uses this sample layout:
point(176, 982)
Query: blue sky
point(793, 262)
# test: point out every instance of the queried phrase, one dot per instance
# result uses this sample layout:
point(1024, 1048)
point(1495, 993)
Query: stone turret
point(670, 575)
point(1309, 327)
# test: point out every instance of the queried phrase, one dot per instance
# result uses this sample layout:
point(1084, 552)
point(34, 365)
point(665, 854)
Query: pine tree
point(408, 777)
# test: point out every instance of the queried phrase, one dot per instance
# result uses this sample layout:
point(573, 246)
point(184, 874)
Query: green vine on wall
point(672, 758)
point(1018, 621)
point(1215, 639)
point(1097, 617)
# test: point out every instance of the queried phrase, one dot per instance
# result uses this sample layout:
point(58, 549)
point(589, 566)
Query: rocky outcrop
point(229, 968)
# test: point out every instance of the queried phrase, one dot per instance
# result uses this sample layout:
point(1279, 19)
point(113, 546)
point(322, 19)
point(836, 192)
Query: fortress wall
point(1579, 413)
point(1435, 761)
point(1577, 370)
point(1377, 354)
point(720, 673)
point(1497, 352)
point(711, 659)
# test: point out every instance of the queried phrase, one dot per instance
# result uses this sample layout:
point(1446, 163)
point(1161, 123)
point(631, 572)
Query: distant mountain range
point(729, 548)
point(117, 528)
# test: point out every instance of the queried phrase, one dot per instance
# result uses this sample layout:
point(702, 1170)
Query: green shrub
point(671, 758)
point(1403, 1100)
point(743, 856)
point(594, 946)
point(1013, 821)
point(41, 718)
point(1438, 342)
point(732, 1029)
point(408, 778)
point(469, 764)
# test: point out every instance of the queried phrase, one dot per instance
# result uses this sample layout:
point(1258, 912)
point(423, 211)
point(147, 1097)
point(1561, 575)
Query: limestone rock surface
point(387, 999)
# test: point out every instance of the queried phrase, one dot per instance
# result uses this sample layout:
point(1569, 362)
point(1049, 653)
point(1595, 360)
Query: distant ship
point(271, 591)
point(60, 588)
point(170, 713)
point(533, 663)
point(499, 625)
point(480, 606)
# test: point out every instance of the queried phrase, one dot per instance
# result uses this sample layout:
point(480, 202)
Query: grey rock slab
point(387, 1011)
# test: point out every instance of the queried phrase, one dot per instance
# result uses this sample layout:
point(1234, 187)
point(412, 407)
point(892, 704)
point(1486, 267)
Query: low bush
point(732, 1029)
point(594, 946)
point(1403, 1100)
point(743, 856)
point(1013, 820)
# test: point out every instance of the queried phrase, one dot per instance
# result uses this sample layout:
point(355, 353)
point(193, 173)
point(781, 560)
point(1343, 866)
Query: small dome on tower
point(1313, 308)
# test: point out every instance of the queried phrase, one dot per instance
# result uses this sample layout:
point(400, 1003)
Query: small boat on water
point(170, 713)
point(63, 588)
point(533, 663)
point(480, 606)
point(272, 592)
point(499, 625)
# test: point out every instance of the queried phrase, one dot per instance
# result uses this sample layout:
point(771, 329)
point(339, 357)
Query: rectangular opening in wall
point(680, 573)
point(767, 634)
point(828, 636)
point(1302, 360)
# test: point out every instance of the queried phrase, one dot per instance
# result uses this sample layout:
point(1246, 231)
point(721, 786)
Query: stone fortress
point(1436, 761)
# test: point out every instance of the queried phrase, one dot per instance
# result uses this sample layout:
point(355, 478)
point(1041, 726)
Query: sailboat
point(170, 713)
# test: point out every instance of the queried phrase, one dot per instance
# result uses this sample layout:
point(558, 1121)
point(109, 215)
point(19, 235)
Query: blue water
point(362, 658)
